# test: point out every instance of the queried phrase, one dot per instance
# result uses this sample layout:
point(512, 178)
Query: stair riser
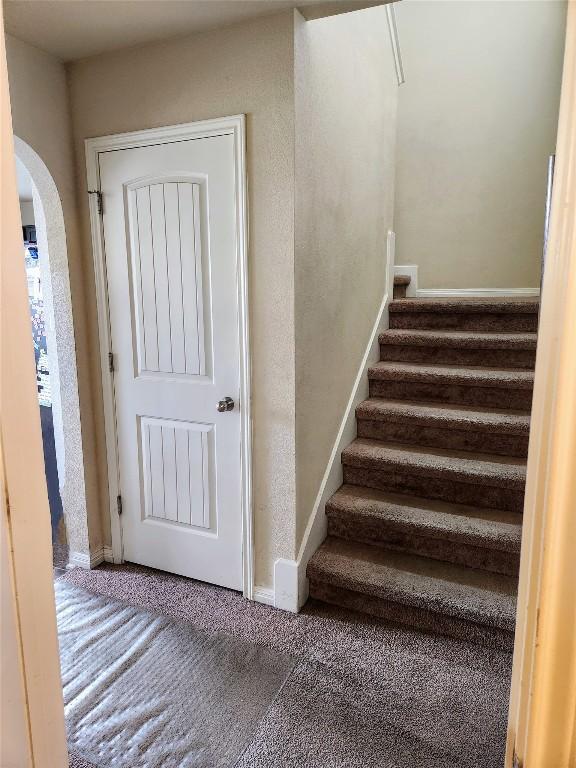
point(383, 534)
point(451, 439)
point(442, 488)
point(400, 291)
point(437, 391)
point(488, 358)
point(472, 321)
point(427, 621)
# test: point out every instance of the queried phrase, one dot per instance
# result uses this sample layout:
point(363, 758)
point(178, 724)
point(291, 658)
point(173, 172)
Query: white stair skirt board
point(81, 560)
point(290, 582)
point(413, 291)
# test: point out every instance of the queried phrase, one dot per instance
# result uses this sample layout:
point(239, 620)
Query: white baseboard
point(108, 554)
point(81, 560)
point(438, 293)
point(290, 582)
point(286, 586)
point(413, 291)
point(263, 595)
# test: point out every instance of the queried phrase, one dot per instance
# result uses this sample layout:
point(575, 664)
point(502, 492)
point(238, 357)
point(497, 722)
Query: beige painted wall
point(477, 120)
point(246, 68)
point(41, 118)
point(346, 98)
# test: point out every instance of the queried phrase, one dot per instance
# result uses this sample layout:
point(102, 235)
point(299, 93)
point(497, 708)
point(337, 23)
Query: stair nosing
point(407, 513)
point(443, 415)
point(468, 467)
point(470, 340)
point(477, 376)
point(421, 591)
point(486, 305)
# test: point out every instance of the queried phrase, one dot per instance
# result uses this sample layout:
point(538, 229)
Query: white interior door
point(170, 239)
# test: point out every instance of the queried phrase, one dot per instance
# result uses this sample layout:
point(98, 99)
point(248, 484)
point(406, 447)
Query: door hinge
point(100, 199)
point(111, 362)
point(119, 504)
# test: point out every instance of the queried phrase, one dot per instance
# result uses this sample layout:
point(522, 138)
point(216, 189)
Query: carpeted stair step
point(427, 594)
point(509, 350)
point(462, 428)
point(485, 387)
point(485, 539)
point(499, 315)
point(494, 482)
point(401, 283)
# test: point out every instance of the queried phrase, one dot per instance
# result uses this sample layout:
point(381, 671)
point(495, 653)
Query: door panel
point(170, 232)
point(177, 464)
point(164, 223)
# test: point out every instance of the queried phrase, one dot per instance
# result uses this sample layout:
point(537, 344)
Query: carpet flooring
point(362, 694)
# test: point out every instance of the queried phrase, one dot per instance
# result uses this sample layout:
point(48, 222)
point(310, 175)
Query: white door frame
point(235, 126)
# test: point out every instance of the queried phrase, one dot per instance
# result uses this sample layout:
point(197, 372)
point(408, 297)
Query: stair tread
point(504, 305)
point(496, 529)
point(446, 416)
point(465, 593)
point(462, 339)
point(480, 469)
point(455, 374)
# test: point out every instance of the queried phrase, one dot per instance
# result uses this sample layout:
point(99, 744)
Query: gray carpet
point(203, 697)
point(363, 693)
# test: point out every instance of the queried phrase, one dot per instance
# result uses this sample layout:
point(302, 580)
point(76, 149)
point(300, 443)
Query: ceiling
point(75, 29)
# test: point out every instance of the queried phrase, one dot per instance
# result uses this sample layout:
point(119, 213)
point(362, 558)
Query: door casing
point(235, 126)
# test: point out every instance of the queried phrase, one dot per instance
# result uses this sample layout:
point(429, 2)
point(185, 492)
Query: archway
point(51, 236)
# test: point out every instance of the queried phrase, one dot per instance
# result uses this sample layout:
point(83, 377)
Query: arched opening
point(60, 388)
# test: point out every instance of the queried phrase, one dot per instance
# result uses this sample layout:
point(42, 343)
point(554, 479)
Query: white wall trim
point(235, 126)
point(80, 560)
point(437, 293)
point(413, 291)
point(290, 581)
point(395, 41)
point(263, 595)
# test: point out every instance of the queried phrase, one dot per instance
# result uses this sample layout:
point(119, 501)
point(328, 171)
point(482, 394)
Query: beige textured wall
point(41, 118)
point(246, 68)
point(477, 120)
point(346, 98)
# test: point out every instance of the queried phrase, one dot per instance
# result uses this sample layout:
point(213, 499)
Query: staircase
point(426, 529)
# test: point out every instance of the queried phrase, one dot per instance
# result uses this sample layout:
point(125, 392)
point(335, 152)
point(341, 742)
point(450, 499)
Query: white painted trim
point(287, 589)
point(80, 560)
point(395, 41)
point(412, 271)
point(290, 581)
point(263, 595)
point(235, 126)
point(437, 293)
point(413, 291)
point(93, 180)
